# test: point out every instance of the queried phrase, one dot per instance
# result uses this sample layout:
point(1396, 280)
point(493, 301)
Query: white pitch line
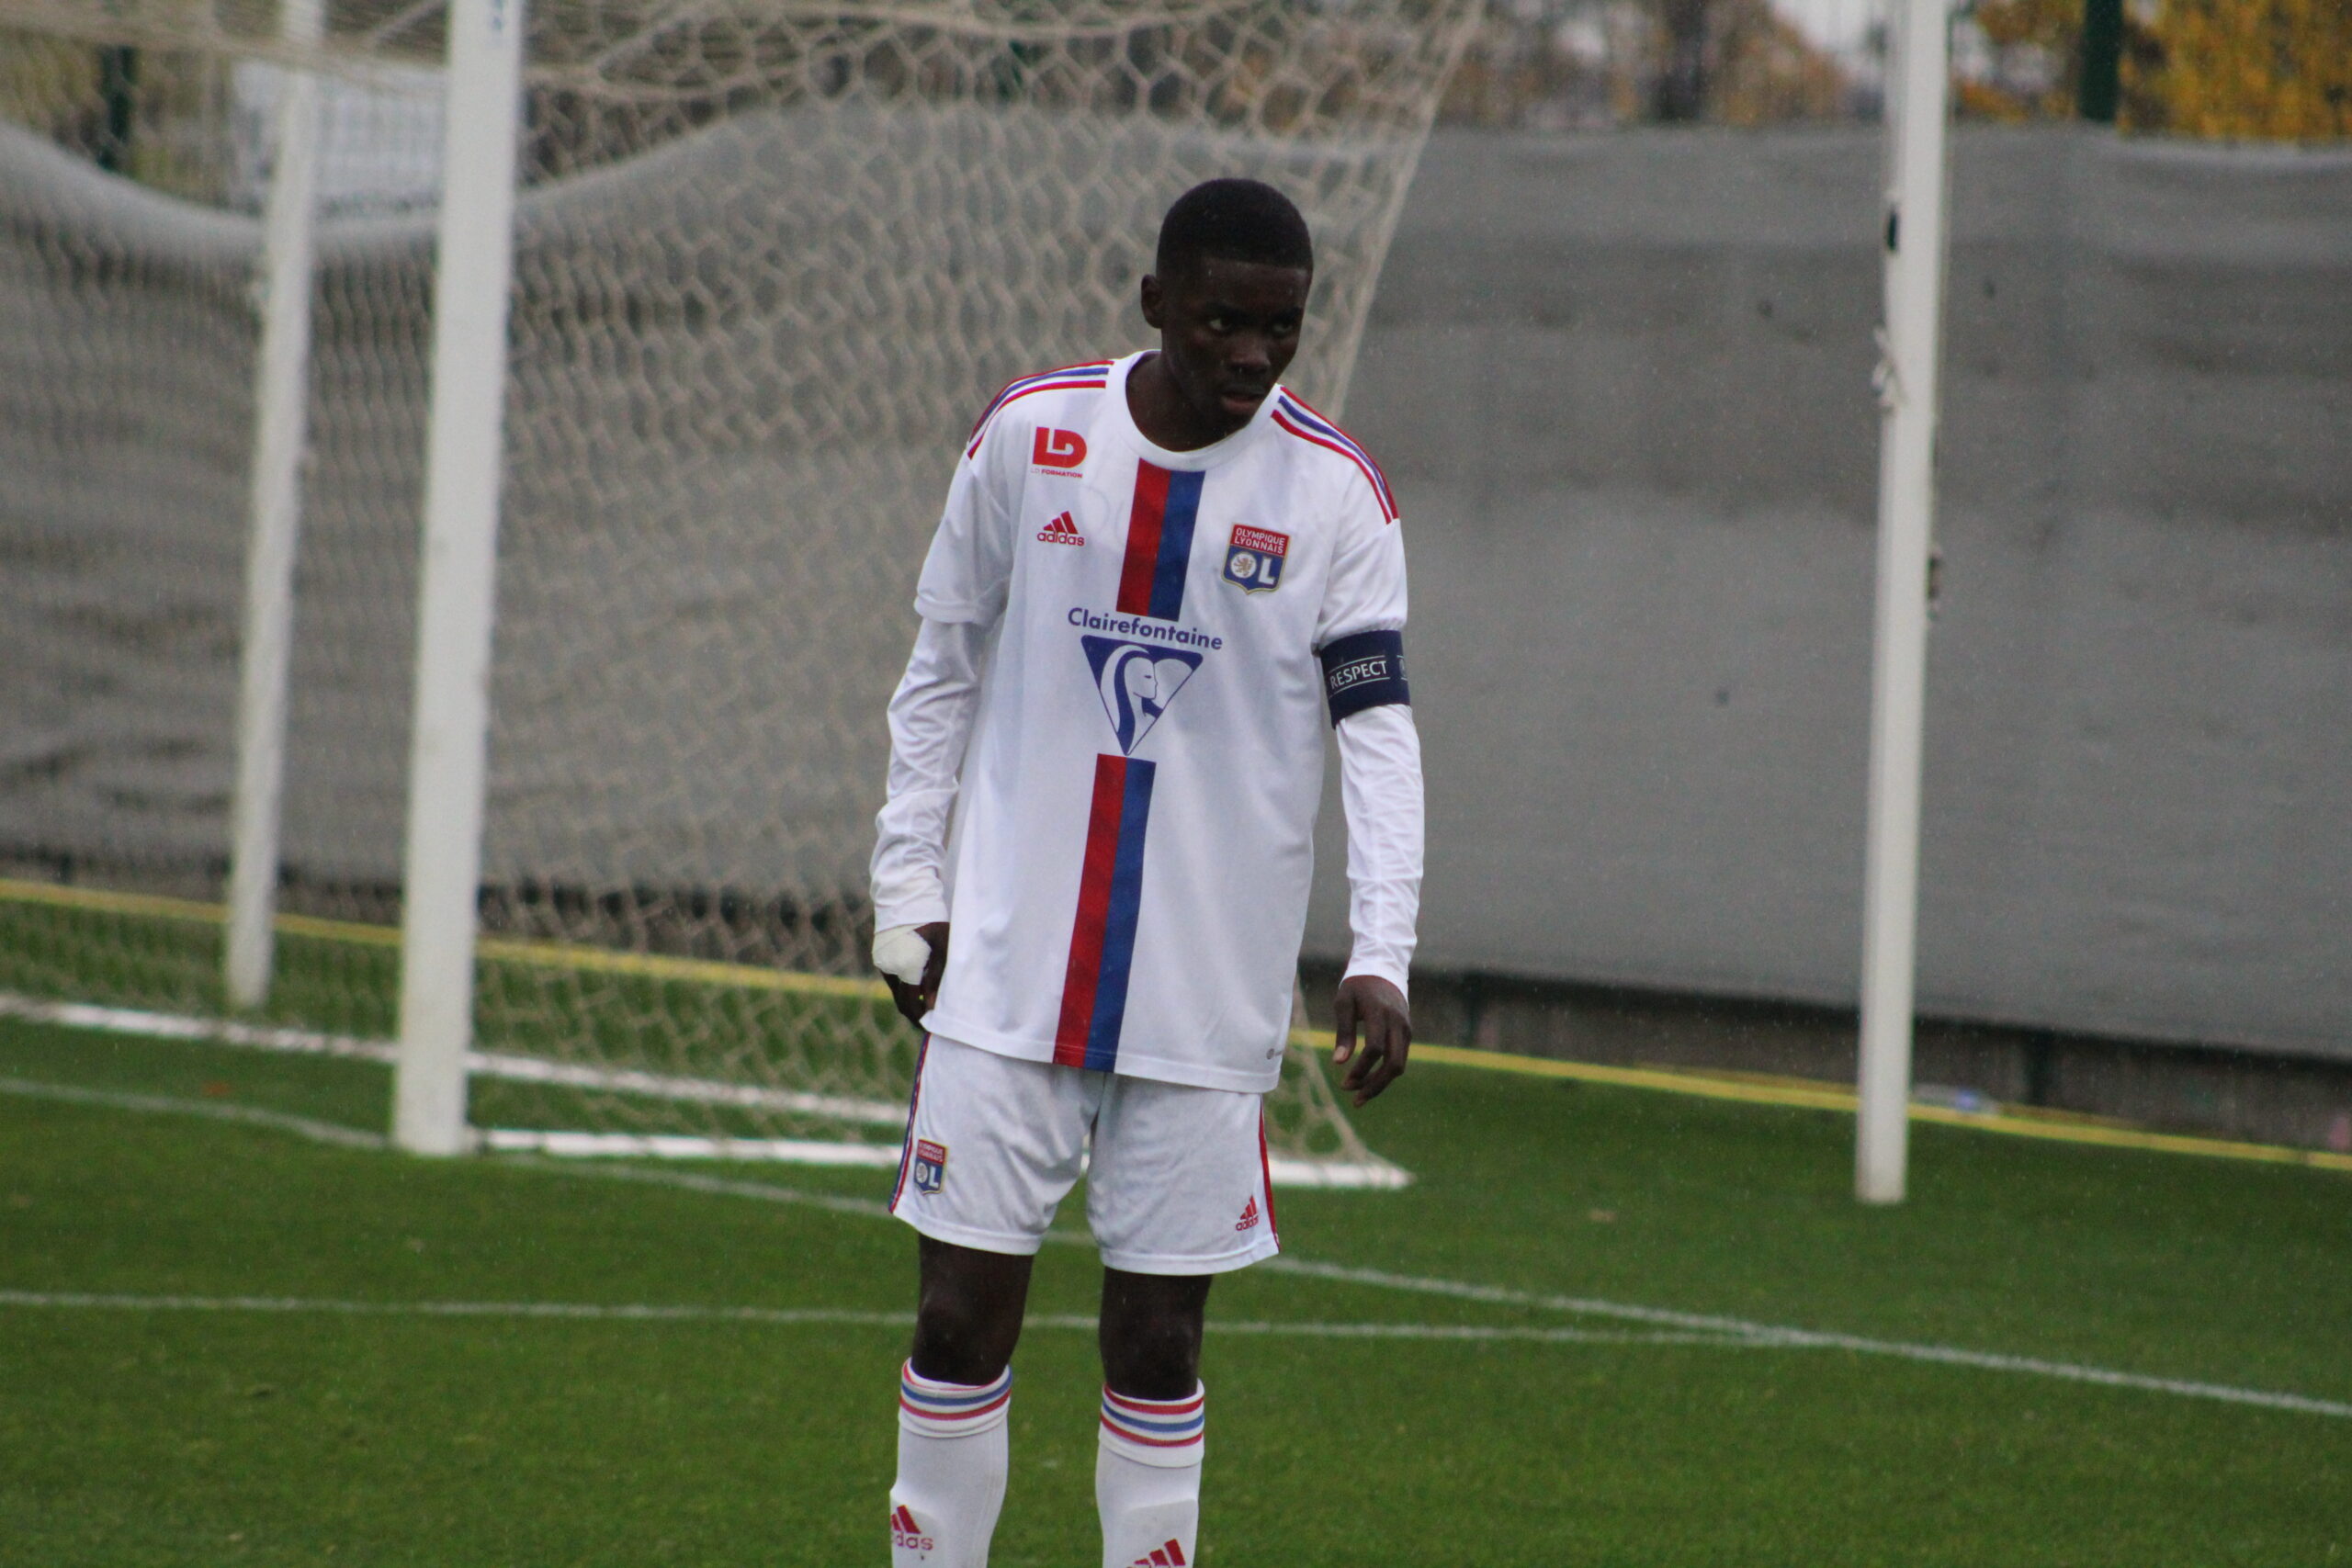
point(170, 1026)
point(489, 1063)
point(1372, 1173)
point(644, 1312)
point(278, 1120)
point(718, 1185)
point(1765, 1334)
point(670, 1145)
point(638, 1312)
point(1711, 1328)
point(1705, 1326)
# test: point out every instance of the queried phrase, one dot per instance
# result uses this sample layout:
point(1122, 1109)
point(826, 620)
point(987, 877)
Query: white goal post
point(757, 268)
point(1917, 160)
point(464, 472)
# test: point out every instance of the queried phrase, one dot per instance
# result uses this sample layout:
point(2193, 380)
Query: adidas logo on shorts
point(1061, 531)
point(1249, 1216)
point(1169, 1556)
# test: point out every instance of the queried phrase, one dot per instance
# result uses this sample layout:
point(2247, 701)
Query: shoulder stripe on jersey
point(1160, 541)
point(973, 449)
point(1316, 418)
point(1088, 368)
point(1379, 495)
point(1109, 898)
point(1304, 412)
point(1091, 374)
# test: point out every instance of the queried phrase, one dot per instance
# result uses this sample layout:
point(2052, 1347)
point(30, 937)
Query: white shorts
point(1178, 1181)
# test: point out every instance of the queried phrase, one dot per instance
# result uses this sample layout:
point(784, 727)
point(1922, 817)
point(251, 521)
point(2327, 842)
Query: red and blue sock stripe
point(949, 1409)
point(1109, 898)
point(1172, 1425)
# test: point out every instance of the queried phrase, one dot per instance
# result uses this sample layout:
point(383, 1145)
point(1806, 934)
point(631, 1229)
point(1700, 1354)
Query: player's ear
point(1152, 302)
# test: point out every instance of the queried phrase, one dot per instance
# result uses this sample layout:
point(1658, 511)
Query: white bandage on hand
point(902, 954)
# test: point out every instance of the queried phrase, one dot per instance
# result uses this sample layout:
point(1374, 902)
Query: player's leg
point(955, 1398)
point(1178, 1194)
point(1147, 1456)
point(992, 1145)
point(1152, 1332)
point(967, 1311)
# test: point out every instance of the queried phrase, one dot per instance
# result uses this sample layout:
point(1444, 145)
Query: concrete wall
point(1622, 385)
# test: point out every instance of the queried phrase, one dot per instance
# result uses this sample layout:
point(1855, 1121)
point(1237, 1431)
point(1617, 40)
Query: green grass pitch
point(144, 1434)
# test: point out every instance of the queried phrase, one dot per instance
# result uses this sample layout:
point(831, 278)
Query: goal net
point(769, 260)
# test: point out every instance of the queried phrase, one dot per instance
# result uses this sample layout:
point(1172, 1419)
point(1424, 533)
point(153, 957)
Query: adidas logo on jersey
point(1249, 1216)
point(1061, 531)
point(1169, 1556)
point(905, 1535)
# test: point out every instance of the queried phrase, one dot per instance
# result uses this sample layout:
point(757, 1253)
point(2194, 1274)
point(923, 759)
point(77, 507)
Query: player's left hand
point(914, 1001)
point(1370, 1006)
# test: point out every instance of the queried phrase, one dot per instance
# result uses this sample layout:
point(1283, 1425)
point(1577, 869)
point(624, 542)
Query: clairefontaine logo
point(1137, 682)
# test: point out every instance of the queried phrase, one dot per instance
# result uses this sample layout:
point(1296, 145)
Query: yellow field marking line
point(501, 950)
point(1755, 1089)
point(1751, 1088)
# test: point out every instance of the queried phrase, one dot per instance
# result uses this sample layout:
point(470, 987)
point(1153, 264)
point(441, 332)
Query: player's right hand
point(914, 1001)
point(1370, 1005)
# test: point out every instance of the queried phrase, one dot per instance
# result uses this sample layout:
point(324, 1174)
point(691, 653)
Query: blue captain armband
point(1366, 671)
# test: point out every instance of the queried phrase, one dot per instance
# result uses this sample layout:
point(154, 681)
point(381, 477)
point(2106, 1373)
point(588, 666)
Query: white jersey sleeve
point(961, 596)
point(930, 727)
point(968, 570)
point(1380, 788)
point(1365, 590)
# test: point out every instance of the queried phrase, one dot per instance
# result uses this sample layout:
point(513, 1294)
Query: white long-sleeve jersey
point(1107, 750)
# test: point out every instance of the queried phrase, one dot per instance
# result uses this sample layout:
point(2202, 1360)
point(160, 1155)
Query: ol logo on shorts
point(1254, 561)
point(931, 1167)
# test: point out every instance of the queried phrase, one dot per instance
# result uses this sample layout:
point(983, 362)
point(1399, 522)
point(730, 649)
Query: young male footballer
point(1154, 577)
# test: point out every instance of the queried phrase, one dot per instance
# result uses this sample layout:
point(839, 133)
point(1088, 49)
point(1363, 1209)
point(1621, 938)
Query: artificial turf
point(136, 1436)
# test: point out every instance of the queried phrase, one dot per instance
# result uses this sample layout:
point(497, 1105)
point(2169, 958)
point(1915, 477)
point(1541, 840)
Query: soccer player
point(1153, 577)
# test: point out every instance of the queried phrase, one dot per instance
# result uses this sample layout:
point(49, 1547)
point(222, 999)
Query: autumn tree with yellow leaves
point(2270, 70)
point(2276, 69)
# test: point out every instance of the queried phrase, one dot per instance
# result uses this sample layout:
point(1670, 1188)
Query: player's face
point(1227, 329)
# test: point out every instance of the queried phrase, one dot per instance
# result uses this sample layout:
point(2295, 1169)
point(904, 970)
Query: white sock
point(952, 1461)
point(1148, 1479)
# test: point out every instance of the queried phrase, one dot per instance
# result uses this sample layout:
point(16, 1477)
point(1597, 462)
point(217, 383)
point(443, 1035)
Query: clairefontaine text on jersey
point(1144, 626)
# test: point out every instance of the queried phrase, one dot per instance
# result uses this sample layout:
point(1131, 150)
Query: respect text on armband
point(1143, 626)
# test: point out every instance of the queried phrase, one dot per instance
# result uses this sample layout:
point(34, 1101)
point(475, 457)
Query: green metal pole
point(2102, 59)
point(118, 86)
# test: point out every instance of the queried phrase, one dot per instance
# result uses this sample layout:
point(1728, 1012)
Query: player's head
point(1236, 220)
point(1228, 294)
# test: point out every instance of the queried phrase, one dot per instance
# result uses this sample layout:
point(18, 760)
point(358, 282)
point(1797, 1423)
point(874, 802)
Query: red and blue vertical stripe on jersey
point(1110, 888)
point(1159, 542)
point(1110, 896)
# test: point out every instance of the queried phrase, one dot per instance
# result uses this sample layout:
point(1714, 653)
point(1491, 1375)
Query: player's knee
point(1153, 1355)
point(959, 1338)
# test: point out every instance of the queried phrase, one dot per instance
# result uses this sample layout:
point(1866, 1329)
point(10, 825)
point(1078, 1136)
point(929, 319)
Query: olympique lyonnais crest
point(1137, 683)
point(931, 1167)
point(1253, 562)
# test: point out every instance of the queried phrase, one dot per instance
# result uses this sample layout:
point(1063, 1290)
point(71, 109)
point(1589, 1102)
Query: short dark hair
point(1246, 220)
